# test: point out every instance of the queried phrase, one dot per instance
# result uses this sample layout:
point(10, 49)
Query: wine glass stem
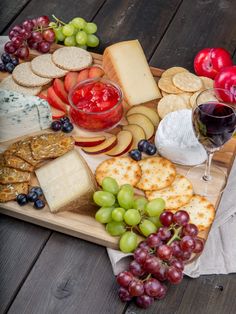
point(207, 174)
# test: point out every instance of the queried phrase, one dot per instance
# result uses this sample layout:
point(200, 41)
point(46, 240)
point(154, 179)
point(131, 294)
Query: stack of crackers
point(31, 77)
point(157, 178)
point(21, 158)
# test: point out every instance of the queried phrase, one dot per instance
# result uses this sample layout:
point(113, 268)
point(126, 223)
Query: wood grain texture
point(70, 276)
point(197, 24)
point(20, 245)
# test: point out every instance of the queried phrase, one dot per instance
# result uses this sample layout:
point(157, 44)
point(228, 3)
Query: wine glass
point(214, 123)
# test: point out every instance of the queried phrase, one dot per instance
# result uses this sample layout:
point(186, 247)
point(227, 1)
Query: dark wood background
point(47, 272)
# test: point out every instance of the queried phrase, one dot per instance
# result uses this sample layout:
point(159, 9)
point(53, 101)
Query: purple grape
point(144, 301)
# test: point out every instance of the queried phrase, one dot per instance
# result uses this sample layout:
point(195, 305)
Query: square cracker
point(8, 192)
point(13, 161)
point(22, 149)
point(11, 175)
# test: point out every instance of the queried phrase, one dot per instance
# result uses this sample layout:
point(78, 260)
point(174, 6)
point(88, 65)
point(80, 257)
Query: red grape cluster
point(35, 34)
point(160, 258)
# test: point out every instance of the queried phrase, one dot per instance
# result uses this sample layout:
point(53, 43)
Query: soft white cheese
point(176, 141)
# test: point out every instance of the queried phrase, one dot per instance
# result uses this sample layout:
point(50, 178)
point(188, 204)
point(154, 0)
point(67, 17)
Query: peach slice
point(144, 122)
point(83, 75)
point(70, 80)
point(56, 101)
point(151, 114)
point(59, 89)
point(95, 72)
point(57, 114)
point(124, 139)
point(107, 145)
point(43, 94)
point(137, 132)
point(89, 141)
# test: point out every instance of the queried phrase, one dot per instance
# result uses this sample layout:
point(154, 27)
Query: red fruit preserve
point(96, 104)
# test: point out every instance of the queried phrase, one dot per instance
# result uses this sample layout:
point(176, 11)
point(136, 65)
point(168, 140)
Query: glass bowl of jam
point(96, 104)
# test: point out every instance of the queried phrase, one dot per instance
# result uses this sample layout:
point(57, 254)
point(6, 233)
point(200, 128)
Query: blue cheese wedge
point(22, 114)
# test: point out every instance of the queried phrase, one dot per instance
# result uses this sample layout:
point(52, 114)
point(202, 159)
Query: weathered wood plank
point(197, 24)
point(70, 276)
point(20, 245)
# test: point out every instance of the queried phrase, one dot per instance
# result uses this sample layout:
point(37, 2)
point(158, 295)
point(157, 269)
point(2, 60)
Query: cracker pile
point(22, 157)
point(157, 177)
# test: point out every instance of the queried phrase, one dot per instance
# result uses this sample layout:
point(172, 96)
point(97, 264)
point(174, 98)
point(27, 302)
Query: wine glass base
point(211, 187)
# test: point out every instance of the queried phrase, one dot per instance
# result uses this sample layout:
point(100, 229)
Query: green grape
point(90, 28)
point(127, 187)
point(78, 22)
point(104, 199)
point(156, 221)
point(92, 40)
point(82, 46)
point(52, 24)
point(118, 214)
point(81, 38)
point(147, 227)
point(103, 215)
point(58, 33)
point(128, 242)
point(155, 207)
point(132, 217)
point(70, 41)
point(68, 30)
point(140, 203)
point(110, 185)
point(115, 228)
point(125, 198)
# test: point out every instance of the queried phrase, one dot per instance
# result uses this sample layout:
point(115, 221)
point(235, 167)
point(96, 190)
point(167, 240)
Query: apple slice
point(70, 80)
point(95, 72)
point(55, 101)
point(57, 114)
point(43, 94)
point(89, 141)
point(59, 89)
point(137, 132)
point(151, 114)
point(83, 75)
point(144, 122)
point(107, 145)
point(124, 143)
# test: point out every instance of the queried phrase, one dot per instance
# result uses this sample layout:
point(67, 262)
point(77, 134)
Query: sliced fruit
point(70, 80)
point(57, 114)
point(43, 94)
point(124, 143)
point(55, 101)
point(95, 72)
point(89, 141)
point(107, 145)
point(137, 132)
point(151, 114)
point(59, 89)
point(83, 75)
point(144, 122)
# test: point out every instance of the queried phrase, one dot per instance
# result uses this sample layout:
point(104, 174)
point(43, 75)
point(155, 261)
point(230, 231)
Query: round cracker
point(43, 66)
point(169, 104)
point(166, 85)
point(123, 169)
point(205, 97)
point(164, 93)
point(172, 71)
point(72, 58)
point(207, 82)
point(177, 194)
point(201, 212)
point(23, 75)
point(9, 84)
point(157, 173)
point(187, 82)
point(186, 96)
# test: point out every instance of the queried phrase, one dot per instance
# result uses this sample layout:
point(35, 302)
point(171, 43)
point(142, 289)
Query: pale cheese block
point(67, 183)
point(126, 64)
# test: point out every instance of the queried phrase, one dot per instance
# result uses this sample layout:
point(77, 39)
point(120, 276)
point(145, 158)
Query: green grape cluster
point(77, 32)
point(126, 215)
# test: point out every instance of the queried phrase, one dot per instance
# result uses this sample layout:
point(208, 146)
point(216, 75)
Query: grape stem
point(175, 236)
point(148, 276)
point(59, 21)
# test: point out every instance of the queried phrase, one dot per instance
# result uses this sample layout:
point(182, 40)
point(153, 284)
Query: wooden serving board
point(83, 225)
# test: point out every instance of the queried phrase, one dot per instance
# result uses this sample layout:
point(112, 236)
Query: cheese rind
point(126, 64)
point(67, 183)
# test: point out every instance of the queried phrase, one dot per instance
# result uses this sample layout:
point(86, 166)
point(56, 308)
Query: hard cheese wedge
point(22, 114)
point(126, 64)
point(67, 183)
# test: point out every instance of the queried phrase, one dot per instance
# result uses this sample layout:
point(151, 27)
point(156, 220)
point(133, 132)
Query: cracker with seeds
point(11, 175)
point(51, 145)
point(123, 169)
point(16, 162)
point(176, 195)
point(166, 85)
point(172, 71)
point(169, 104)
point(8, 192)
point(187, 82)
point(43, 66)
point(157, 173)
point(9, 84)
point(23, 150)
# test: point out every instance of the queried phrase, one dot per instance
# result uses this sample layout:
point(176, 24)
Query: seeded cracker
point(8, 192)
point(22, 149)
point(9, 84)
point(10, 175)
point(43, 66)
point(187, 82)
point(16, 162)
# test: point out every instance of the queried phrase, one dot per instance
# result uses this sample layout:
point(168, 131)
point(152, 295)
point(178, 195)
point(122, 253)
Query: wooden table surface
point(47, 272)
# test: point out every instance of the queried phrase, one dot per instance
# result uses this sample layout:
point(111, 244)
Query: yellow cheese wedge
point(126, 64)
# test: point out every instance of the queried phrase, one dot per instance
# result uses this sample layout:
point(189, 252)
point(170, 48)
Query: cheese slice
point(67, 183)
point(22, 114)
point(126, 64)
